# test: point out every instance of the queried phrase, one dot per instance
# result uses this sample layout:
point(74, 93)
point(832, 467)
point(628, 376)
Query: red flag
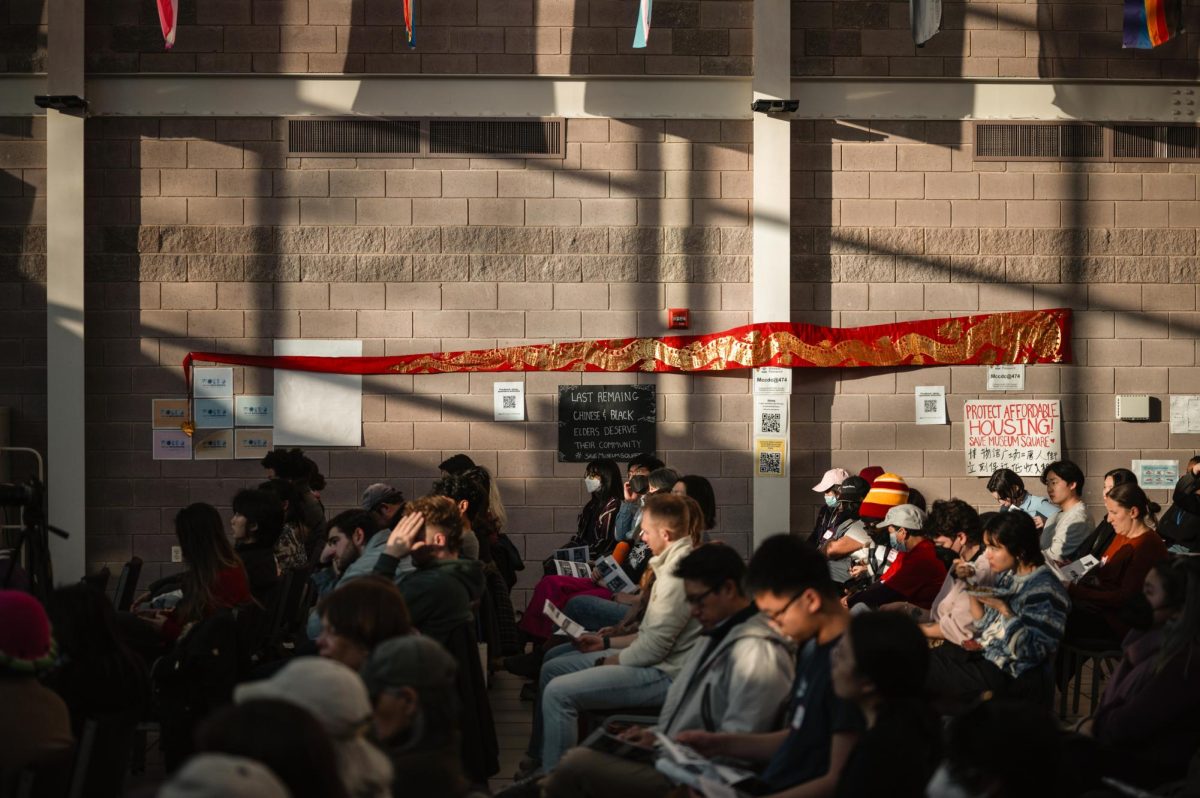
point(168, 17)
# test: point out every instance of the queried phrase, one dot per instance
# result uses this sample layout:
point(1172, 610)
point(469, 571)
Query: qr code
point(770, 462)
point(772, 422)
point(931, 405)
point(510, 402)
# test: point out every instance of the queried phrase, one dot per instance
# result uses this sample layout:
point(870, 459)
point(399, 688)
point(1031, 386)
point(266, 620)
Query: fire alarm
point(677, 319)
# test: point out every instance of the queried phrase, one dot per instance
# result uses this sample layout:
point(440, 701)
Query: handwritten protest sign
point(1024, 435)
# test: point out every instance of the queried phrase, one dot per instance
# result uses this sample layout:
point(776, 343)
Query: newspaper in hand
point(573, 554)
point(572, 568)
point(683, 765)
point(613, 576)
point(1072, 571)
point(560, 620)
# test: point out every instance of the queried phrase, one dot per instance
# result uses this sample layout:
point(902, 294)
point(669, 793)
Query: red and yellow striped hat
point(887, 491)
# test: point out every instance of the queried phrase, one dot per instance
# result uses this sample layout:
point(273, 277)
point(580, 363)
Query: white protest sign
point(1024, 435)
point(1006, 378)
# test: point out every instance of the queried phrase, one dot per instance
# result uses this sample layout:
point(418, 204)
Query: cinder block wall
point(896, 221)
point(203, 234)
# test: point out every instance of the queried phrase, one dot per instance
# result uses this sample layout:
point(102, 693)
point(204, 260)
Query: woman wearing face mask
point(1134, 550)
point(1146, 721)
point(605, 489)
point(1018, 624)
point(827, 515)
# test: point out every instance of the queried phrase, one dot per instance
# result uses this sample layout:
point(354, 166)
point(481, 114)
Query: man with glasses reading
point(791, 585)
point(735, 682)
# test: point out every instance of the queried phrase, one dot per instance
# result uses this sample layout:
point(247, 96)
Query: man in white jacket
point(736, 679)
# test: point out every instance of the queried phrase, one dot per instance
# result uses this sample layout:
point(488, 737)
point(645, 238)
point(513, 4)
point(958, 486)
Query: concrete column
point(64, 292)
point(771, 269)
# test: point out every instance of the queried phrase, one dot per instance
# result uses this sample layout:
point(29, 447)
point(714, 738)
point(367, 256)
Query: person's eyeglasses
point(697, 599)
point(777, 614)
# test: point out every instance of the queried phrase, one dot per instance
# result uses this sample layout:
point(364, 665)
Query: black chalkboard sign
point(613, 422)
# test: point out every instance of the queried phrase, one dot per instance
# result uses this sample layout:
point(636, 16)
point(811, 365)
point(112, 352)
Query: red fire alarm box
point(677, 319)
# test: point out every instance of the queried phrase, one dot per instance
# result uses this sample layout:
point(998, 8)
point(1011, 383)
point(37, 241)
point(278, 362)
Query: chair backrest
point(99, 580)
point(127, 584)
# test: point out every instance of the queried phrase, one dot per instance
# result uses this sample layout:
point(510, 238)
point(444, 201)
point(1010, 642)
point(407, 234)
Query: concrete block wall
point(558, 37)
point(204, 234)
point(895, 221)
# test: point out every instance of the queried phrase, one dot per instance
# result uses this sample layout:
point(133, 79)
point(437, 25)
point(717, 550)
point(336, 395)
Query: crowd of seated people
point(900, 649)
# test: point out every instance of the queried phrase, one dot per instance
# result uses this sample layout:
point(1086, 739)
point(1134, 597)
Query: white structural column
point(771, 268)
point(64, 292)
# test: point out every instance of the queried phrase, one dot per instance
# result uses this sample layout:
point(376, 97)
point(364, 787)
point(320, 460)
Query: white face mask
point(592, 484)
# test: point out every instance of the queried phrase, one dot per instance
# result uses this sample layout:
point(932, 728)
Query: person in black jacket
point(1180, 524)
point(257, 523)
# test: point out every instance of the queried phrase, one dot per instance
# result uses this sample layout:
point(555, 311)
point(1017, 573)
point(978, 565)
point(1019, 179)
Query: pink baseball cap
point(833, 477)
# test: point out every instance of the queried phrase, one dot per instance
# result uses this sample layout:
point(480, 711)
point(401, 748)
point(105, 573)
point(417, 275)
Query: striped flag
point(641, 34)
point(408, 23)
point(1149, 23)
point(168, 18)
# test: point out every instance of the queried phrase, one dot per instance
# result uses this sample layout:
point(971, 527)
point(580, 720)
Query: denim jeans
point(573, 683)
point(593, 612)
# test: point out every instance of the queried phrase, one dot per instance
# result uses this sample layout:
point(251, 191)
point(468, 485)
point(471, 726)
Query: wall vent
point(435, 138)
point(354, 137)
point(1086, 141)
point(1136, 142)
point(521, 137)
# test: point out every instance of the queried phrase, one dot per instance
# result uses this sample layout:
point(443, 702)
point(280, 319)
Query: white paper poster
point(931, 404)
point(1185, 415)
point(772, 380)
point(214, 413)
point(1006, 378)
point(314, 409)
point(254, 411)
point(209, 382)
point(1157, 473)
point(1024, 435)
point(509, 400)
point(172, 444)
point(770, 416)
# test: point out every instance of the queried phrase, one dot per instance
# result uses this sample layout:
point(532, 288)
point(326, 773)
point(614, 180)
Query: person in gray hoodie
point(737, 679)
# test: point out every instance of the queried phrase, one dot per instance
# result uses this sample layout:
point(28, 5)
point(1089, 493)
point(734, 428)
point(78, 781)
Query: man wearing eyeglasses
point(790, 582)
point(735, 681)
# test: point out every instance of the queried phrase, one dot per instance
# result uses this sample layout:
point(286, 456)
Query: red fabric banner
point(1035, 336)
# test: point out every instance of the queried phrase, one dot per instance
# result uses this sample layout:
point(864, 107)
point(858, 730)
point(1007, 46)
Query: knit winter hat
point(871, 473)
point(26, 645)
point(887, 491)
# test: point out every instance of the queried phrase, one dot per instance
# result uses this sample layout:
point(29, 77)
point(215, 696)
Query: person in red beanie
point(37, 725)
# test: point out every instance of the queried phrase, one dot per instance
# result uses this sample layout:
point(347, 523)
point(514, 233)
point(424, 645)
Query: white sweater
point(668, 631)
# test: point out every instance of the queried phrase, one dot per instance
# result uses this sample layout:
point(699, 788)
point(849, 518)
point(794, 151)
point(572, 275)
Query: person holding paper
point(1136, 548)
point(957, 528)
point(1065, 531)
point(1007, 488)
point(1096, 543)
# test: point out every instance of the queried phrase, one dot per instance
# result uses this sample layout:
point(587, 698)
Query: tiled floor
point(514, 721)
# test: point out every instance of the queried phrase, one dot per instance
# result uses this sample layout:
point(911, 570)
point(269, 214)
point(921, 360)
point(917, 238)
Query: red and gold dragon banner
point(1033, 336)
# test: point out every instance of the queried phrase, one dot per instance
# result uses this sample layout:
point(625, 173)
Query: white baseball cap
point(833, 477)
point(905, 516)
point(223, 776)
point(333, 693)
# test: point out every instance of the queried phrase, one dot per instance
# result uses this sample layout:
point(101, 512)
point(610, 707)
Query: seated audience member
point(1146, 721)
point(1180, 524)
point(700, 489)
point(257, 522)
point(359, 616)
point(960, 530)
point(827, 515)
point(917, 574)
point(281, 736)
point(456, 464)
point(291, 549)
point(850, 534)
point(38, 725)
point(637, 672)
point(1018, 624)
point(224, 775)
point(1002, 749)
point(1065, 531)
point(353, 549)
point(1099, 597)
point(214, 578)
point(887, 491)
point(472, 500)
point(292, 465)
point(881, 664)
point(598, 518)
point(791, 586)
point(736, 680)
point(97, 673)
point(1007, 488)
point(625, 528)
point(384, 503)
point(415, 721)
point(336, 697)
point(443, 588)
point(1097, 542)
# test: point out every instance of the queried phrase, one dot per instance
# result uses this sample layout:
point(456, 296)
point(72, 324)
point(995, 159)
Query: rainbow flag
point(641, 33)
point(1149, 23)
point(408, 23)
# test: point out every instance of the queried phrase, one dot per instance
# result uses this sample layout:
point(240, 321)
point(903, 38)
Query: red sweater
point(917, 574)
point(1125, 565)
point(231, 589)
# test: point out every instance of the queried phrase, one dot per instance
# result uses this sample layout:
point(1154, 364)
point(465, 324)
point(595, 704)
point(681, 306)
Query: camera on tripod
point(22, 494)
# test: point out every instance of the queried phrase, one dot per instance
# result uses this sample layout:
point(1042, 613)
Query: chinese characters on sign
point(1024, 435)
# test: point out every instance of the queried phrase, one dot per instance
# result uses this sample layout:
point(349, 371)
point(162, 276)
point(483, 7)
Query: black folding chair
point(127, 584)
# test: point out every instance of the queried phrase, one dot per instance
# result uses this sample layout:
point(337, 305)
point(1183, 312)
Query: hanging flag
point(408, 23)
point(1149, 23)
point(926, 18)
point(168, 18)
point(641, 33)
